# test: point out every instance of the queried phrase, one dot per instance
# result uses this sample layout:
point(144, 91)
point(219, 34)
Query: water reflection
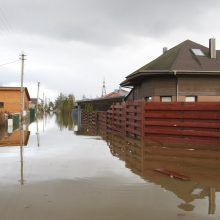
point(37, 133)
point(64, 121)
point(16, 138)
point(202, 166)
point(68, 173)
point(199, 162)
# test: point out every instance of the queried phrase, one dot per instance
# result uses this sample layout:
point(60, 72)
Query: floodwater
point(61, 175)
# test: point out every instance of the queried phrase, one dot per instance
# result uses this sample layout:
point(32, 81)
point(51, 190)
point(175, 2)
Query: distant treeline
point(64, 103)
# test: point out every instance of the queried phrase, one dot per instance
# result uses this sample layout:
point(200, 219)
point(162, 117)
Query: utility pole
point(38, 88)
point(22, 57)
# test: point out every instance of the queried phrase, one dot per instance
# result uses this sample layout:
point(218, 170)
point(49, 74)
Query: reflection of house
point(14, 139)
point(10, 99)
point(103, 103)
point(201, 165)
point(187, 72)
point(33, 102)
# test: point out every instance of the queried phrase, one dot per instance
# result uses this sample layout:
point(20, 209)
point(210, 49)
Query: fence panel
point(159, 121)
point(182, 121)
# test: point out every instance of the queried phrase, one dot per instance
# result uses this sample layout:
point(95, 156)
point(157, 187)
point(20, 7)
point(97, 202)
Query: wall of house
point(11, 100)
point(154, 87)
point(199, 85)
point(205, 88)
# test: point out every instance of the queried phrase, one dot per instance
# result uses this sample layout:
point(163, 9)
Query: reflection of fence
point(200, 166)
point(15, 121)
point(142, 156)
point(32, 114)
point(2, 120)
point(164, 121)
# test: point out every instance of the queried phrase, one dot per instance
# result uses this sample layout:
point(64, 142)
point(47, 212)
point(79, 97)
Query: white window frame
point(166, 98)
point(191, 98)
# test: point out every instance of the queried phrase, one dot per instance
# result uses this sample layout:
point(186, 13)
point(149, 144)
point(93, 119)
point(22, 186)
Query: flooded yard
point(61, 175)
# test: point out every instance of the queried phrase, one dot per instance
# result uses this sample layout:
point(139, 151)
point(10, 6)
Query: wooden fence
point(186, 121)
point(176, 121)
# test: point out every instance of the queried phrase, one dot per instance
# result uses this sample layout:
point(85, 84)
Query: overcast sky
point(72, 45)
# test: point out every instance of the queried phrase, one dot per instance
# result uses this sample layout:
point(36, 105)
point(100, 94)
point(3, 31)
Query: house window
point(166, 98)
point(1, 104)
point(190, 98)
point(148, 99)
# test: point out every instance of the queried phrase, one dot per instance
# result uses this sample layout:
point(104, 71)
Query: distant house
point(103, 103)
point(10, 99)
point(187, 72)
point(33, 102)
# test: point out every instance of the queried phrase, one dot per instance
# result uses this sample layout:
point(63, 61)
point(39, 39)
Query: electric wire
point(4, 21)
point(4, 64)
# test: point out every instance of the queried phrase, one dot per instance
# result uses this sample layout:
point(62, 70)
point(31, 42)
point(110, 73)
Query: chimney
point(212, 49)
point(164, 49)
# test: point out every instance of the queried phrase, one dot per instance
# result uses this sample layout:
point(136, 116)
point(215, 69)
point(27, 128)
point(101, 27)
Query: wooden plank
point(186, 114)
point(162, 138)
point(193, 124)
point(193, 153)
point(133, 110)
point(132, 117)
point(183, 132)
point(133, 131)
point(133, 124)
point(172, 174)
point(198, 106)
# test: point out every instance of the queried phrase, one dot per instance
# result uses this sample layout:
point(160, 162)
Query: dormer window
point(198, 52)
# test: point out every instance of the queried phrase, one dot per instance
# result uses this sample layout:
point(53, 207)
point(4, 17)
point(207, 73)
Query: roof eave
point(171, 72)
point(150, 73)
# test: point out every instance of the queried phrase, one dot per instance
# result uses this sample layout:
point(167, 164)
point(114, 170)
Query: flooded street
point(61, 175)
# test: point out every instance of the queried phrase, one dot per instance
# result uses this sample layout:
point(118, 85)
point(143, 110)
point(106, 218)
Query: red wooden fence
point(186, 121)
point(163, 121)
point(90, 122)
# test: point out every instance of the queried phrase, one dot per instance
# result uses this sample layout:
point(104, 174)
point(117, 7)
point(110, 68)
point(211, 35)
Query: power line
point(4, 21)
point(4, 64)
point(6, 29)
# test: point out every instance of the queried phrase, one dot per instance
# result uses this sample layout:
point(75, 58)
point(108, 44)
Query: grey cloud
point(104, 22)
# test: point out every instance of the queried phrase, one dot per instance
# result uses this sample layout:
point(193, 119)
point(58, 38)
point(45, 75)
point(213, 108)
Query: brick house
point(187, 72)
point(10, 99)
